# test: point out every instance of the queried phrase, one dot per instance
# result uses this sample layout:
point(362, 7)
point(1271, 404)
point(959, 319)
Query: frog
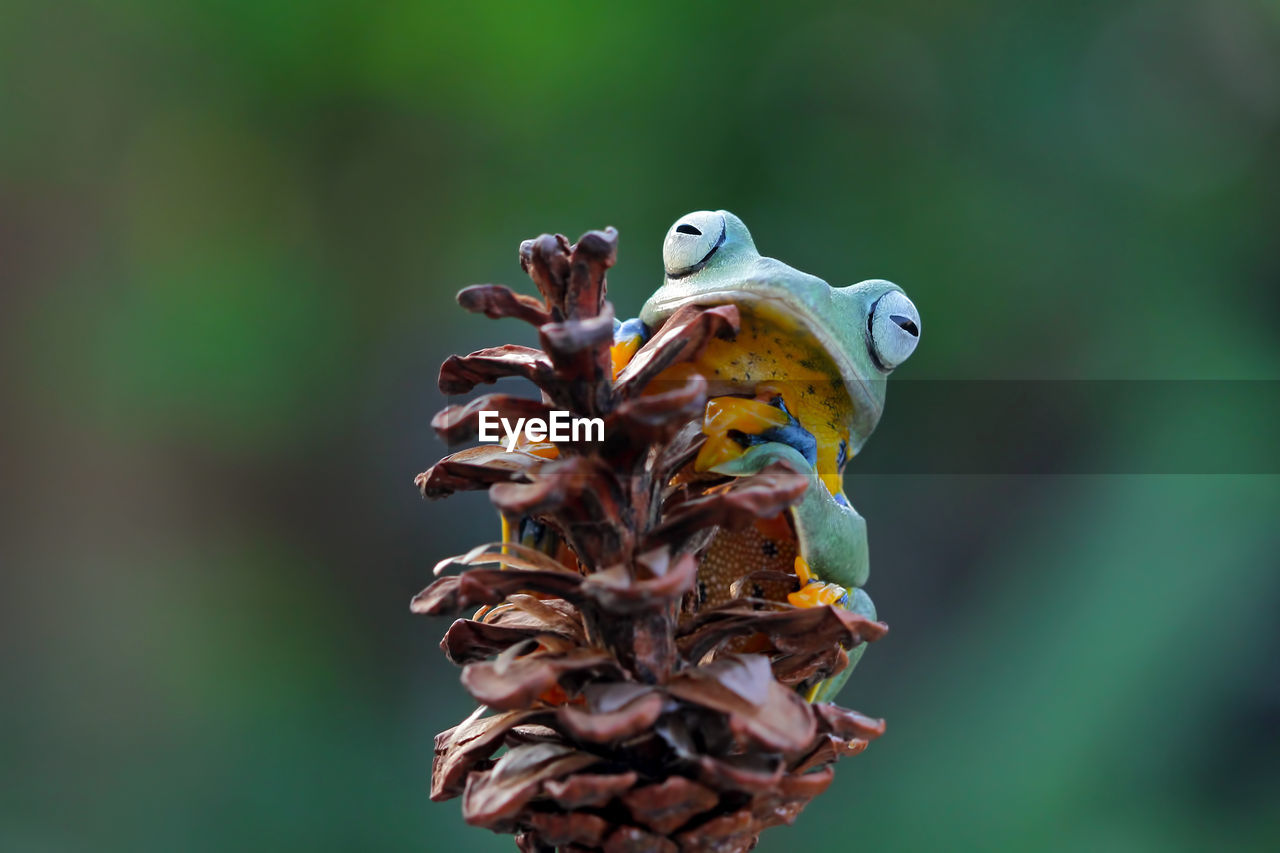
point(802, 382)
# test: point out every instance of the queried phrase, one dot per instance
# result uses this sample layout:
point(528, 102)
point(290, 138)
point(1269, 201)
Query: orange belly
point(768, 545)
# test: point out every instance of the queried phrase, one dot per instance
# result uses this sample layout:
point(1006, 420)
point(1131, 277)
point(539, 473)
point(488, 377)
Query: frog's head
point(867, 329)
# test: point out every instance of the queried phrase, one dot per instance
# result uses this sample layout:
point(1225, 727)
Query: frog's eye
point(691, 242)
point(894, 329)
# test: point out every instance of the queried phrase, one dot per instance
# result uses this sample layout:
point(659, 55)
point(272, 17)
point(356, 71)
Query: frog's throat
point(867, 406)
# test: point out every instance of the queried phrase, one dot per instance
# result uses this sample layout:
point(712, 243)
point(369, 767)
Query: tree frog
point(803, 381)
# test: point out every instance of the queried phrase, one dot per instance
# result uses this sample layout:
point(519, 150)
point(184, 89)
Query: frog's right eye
point(691, 242)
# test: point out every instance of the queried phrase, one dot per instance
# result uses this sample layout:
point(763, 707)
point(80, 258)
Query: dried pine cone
point(633, 717)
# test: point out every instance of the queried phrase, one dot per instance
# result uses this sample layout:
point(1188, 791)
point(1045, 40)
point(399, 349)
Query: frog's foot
point(733, 424)
point(859, 602)
point(814, 592)
point(817, 594)
point(627, 338)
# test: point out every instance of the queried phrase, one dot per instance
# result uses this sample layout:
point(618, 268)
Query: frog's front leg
point(833, 563)
point(831, 535)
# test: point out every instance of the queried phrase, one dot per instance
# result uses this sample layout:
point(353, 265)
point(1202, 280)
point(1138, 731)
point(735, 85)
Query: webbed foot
point(814, 592)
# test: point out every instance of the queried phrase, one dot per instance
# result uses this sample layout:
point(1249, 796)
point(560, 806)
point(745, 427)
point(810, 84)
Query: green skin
point(720, 265)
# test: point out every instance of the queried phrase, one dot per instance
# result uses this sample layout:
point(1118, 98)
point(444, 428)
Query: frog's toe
point(816, 594)
point(743, 415)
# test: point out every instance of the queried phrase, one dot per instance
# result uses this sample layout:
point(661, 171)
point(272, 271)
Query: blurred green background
point(230, 234)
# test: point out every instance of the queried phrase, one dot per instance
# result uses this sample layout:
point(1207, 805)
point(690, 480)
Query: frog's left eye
point(691, 242)
point(894, 328)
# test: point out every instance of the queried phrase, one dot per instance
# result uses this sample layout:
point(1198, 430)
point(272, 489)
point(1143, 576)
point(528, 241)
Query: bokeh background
point(230, 234)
